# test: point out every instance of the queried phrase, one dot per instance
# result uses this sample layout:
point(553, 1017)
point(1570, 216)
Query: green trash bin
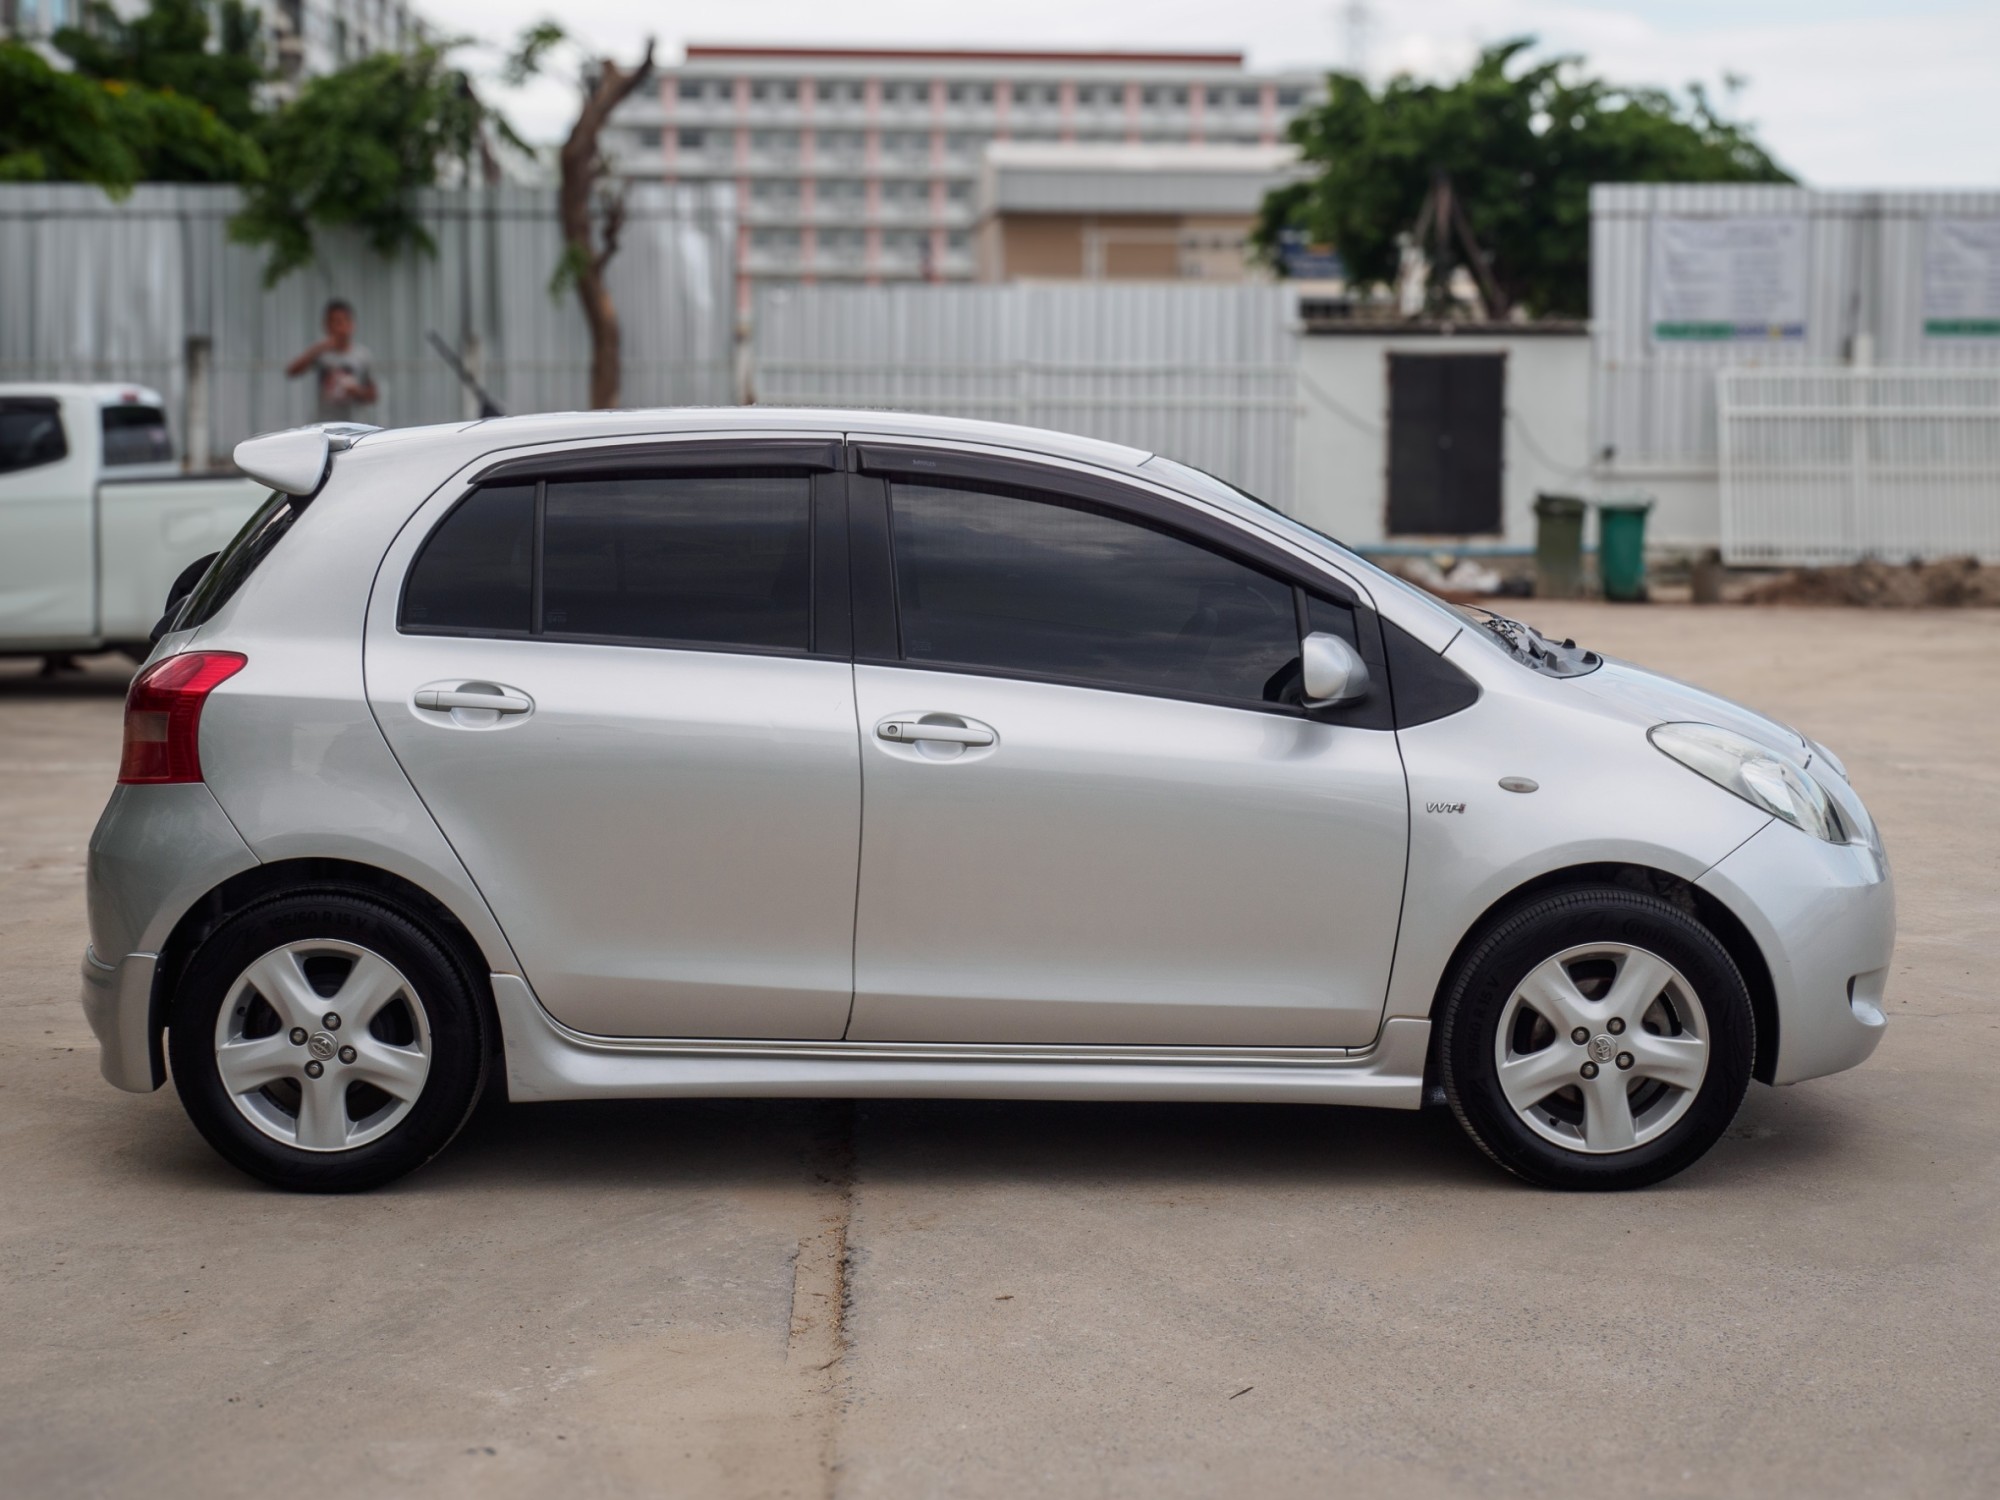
point(1621, 548)
point(1558, 546)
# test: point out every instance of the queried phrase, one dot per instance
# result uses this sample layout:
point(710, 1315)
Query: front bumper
point(1824, 917)
point(118, 1003)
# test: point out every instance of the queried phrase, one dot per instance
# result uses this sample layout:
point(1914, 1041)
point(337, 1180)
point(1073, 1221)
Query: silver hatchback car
point(775, 752)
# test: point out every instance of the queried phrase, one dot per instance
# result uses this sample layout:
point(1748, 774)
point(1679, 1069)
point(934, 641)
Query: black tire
point(1476, 998)
point(460, 1038)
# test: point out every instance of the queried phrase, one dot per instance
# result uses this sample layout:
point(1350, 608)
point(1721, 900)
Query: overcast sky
point(1845, 93)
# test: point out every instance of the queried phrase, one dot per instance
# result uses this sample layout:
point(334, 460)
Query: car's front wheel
point(1596, 1038)
point(326, 1042)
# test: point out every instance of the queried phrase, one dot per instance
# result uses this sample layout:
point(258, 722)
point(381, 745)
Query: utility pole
point(1357, 20)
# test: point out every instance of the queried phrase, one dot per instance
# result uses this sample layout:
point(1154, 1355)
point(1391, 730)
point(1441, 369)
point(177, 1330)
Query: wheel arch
point(1705, 908)
point(281, 877)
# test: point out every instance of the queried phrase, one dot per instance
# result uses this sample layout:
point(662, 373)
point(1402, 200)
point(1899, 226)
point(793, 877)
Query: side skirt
point(547, 1060)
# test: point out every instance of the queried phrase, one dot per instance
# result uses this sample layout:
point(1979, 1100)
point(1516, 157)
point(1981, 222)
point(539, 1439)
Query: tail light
point(163, 716)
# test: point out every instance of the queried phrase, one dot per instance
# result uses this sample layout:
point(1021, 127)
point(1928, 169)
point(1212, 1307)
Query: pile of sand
point(1954, 582)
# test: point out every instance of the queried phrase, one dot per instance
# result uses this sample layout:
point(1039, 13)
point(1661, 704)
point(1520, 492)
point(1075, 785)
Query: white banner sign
point(1719, 280)
point(1962, 279)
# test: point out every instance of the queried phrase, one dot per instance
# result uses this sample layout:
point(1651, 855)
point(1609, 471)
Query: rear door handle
point(907, 731)
point(499, 703)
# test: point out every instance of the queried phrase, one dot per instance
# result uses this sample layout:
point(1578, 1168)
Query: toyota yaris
point(835, 753)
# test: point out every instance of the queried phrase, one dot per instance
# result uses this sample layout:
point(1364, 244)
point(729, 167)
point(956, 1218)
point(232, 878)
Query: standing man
point(345, 374)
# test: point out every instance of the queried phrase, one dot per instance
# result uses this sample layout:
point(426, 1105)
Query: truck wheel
point(1596, 1038)
point(325, 1041)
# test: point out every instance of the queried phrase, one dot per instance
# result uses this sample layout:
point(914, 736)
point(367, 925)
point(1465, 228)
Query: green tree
point(352, 150)
point(1519, 150)
point(168, 48)
point(57, 126)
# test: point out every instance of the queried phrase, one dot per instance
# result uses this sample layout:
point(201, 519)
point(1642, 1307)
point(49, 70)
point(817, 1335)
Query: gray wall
point(96, 289)
point(1203, 374)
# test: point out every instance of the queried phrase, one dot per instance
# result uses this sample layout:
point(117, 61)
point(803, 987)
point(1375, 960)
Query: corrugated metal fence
point(96, 289)
point(1206, 374)
point(1826, 466)
point(1654, 399)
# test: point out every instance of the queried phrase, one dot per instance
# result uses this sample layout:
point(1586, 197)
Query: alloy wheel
point(323, 1045)
point(1602, 1048)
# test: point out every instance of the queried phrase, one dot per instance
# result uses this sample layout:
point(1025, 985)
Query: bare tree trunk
point(587, 249)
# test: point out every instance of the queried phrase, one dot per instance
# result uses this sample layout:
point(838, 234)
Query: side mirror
point(1332, 671)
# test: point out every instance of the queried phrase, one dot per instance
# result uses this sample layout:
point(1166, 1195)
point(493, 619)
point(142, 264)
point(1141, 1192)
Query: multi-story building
point(1124, 213)
point(305, 38)
point(856, 164)
point(302, 38)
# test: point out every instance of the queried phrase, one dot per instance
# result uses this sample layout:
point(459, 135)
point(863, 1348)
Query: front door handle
point(449, 698)
point(908, 731)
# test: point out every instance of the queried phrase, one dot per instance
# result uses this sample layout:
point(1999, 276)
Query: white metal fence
point(1826, 466)
point(1861, 260)
point(1205, 374)
point(96, 289)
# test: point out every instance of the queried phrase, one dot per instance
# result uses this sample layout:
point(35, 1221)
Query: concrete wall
point(1342, 469)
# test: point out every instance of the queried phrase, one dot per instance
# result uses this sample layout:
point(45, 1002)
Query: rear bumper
point(156, 851)
point(118, 1003)
point(1824, 916)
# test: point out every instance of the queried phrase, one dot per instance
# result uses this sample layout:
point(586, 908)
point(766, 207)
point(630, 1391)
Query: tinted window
point(136, 435)
point(1333, 619)
point(989, 580)
point(713, 561)
point(31, 433)
point(476, 571)
point(250, 546)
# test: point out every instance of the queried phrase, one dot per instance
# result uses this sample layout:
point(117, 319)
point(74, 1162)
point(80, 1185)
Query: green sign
point(1725, 333)
point(1962, 328)
point(1962, 278)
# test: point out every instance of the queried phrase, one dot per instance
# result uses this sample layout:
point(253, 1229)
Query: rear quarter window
point(136, 435)
point(31, 433)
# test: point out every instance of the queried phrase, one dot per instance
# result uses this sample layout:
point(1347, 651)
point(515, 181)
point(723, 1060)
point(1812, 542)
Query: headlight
point(1760, 776)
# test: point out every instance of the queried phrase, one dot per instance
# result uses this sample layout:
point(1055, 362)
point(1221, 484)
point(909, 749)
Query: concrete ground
point(1000, 1299)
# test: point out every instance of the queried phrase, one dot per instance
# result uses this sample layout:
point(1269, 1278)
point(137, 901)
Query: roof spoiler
point(295, 461)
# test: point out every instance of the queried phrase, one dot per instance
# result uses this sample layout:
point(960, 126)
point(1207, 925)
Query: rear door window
point(31, 433)
point(716, 561)
point(708, 561)
point(136, 435)
point(996, 581)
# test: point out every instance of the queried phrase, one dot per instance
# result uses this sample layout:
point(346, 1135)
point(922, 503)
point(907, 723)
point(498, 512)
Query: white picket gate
point(1836, 465)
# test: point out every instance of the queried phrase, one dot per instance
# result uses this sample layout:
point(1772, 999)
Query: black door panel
point(1445, 413)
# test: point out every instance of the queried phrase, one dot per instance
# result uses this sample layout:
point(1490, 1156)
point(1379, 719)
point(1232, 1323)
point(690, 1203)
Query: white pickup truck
point(96, 518)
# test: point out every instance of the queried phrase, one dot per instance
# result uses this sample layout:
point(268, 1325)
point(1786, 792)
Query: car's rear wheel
point(326, 1042)
point(1596, 1038)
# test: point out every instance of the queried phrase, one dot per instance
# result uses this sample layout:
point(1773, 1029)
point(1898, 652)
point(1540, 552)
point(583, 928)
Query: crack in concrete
point(819, 1343)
